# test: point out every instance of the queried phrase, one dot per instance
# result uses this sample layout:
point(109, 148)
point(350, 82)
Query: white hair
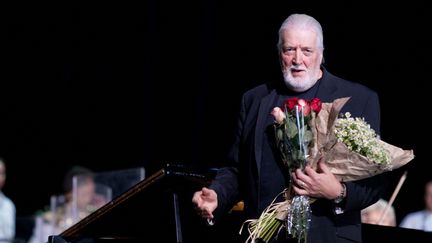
point(302, 21)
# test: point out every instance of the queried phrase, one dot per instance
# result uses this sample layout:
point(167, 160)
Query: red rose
point(315, 104)
point(290, 103)
point(305, 106)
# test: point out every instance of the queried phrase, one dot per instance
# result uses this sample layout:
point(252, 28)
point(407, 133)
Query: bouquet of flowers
point(307, 131)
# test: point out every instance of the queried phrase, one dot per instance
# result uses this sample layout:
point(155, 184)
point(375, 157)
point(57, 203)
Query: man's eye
point(287, 50)
point(308, 52)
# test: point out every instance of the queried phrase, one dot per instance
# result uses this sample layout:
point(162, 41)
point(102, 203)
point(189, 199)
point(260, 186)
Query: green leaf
point(308, 136)
point(279, 134)
point(291, 129)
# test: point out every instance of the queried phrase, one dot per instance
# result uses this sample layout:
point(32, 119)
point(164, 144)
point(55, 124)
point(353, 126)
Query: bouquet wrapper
point(344, 163)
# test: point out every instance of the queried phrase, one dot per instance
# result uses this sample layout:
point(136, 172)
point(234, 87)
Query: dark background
point(115, 86)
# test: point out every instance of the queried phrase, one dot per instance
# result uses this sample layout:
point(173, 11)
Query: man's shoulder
point(349, 86)
point(412, 219)
point(8, 203)
point(259, 91)
point(416, 214)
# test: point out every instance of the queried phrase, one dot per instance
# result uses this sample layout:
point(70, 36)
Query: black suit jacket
point(240, 180)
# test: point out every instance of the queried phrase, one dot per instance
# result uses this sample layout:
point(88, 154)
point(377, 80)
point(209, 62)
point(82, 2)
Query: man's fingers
point(323, 167)
point(205, 191)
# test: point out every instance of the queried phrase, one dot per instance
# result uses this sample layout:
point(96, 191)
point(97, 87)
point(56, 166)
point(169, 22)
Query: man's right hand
point(205, 202)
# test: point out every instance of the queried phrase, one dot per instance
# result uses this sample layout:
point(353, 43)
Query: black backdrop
point(116, 86)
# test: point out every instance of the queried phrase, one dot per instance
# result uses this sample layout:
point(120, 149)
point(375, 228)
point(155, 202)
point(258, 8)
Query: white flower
point(358, 136)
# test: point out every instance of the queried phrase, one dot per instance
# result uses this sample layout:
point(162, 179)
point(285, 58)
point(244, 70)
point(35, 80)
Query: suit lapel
point(264, 111)
point(326, 88)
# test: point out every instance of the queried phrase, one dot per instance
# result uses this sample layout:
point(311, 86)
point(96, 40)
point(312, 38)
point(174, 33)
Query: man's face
point(428, 196)
point(2, 175)
point(86, 191)
point(300, 59)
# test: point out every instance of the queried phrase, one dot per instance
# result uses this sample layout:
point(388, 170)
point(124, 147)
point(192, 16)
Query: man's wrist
point(342, 194)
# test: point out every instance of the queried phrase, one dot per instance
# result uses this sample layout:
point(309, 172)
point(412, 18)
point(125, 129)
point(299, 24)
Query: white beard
point(300, 84)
